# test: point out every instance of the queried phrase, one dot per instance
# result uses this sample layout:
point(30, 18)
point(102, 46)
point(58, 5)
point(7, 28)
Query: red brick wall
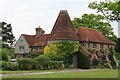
point(98, 46)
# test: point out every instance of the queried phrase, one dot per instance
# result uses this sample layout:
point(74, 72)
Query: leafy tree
point(4, 54)
point(7, 35)
point(62, 50)
point(96, 22)
point(110, 9)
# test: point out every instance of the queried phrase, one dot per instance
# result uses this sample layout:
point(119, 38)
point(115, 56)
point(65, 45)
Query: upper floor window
point(88, 45)
point(40, 47)
point(101, 46)
point(84, 44)
point(94, 45)
point(35, 47)
point(21, 47)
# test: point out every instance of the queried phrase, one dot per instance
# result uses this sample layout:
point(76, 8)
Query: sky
point(26, 15)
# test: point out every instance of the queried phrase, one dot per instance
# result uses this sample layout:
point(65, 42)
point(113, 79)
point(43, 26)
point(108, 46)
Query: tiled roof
point(91, 35)
point(63, 28)
point(33, 40)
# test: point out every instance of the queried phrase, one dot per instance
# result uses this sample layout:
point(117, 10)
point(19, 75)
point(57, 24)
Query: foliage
point(7, 35)
point(117, 56)
point(96, 60)
point(26, 63)
point(39, 63)
point(54, 57)
point(107, 65)
point(4, 54)
point(5, 65)
point(13, 66)
point(56, 65)
point(96, 22)
point(117, 47)
point(84, 59)
point(110, 9)
point(42, 62)
point(0, 64)
point(32, 55)
point(63, 50)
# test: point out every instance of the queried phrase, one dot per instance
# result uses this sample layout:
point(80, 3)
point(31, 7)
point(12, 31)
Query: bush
point(107, 65)
point(117, 56)
point(32, 55)
point(62, 50)
point(42, 62)
point(26, 64)
point(4, 54)
point(5, 65)
point(56, 65)
point(13, 67)
point(54, 57)
point(83, 59)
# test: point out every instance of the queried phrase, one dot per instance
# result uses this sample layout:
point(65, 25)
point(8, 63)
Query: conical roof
point(63, 28)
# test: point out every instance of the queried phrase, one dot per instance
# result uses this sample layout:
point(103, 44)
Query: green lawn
point(15, 72)
point(82, 74)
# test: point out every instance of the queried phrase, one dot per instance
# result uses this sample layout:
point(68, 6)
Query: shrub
point(5, 65)
point(42, 62)
point(65, 50)
point(107, 65)
point(13, 67)
point(4, 54)
point(0, 64)
point(83, 59)
point(96, 60)
point(117, 56)
point(54, 57)
point(32, 55)
point(56, 65)
point(26, 64)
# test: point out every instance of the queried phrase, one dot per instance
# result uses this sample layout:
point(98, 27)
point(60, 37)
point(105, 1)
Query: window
point(21, 47)
point(94, 45)
point(101, 46)
point(21, 40)
point(88, 45)
point(36, 48)
point(84, 44)
point(40, 47)
point(108, 46)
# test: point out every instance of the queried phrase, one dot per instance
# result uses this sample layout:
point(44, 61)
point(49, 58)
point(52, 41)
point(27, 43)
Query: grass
point(25, 71)
point(84, 74)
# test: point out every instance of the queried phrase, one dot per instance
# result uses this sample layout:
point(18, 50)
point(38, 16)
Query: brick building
point(62, 30)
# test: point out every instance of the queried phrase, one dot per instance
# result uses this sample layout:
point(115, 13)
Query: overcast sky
point(26, 15)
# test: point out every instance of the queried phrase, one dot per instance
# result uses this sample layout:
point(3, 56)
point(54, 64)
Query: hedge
point(83, 59)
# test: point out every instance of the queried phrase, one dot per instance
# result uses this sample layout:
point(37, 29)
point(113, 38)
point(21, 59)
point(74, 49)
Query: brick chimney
point(39, 31)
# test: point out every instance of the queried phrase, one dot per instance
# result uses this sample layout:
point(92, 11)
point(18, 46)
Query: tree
point(117, 48)
point(110, 9)
point(7, 35)
point(63, 50)
point(96, 22)
point(4, 54)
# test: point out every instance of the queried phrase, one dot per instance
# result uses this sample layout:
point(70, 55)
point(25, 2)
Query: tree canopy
point(98, 22)
point(7, 35)
point(109, 8)
point(62, 49)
